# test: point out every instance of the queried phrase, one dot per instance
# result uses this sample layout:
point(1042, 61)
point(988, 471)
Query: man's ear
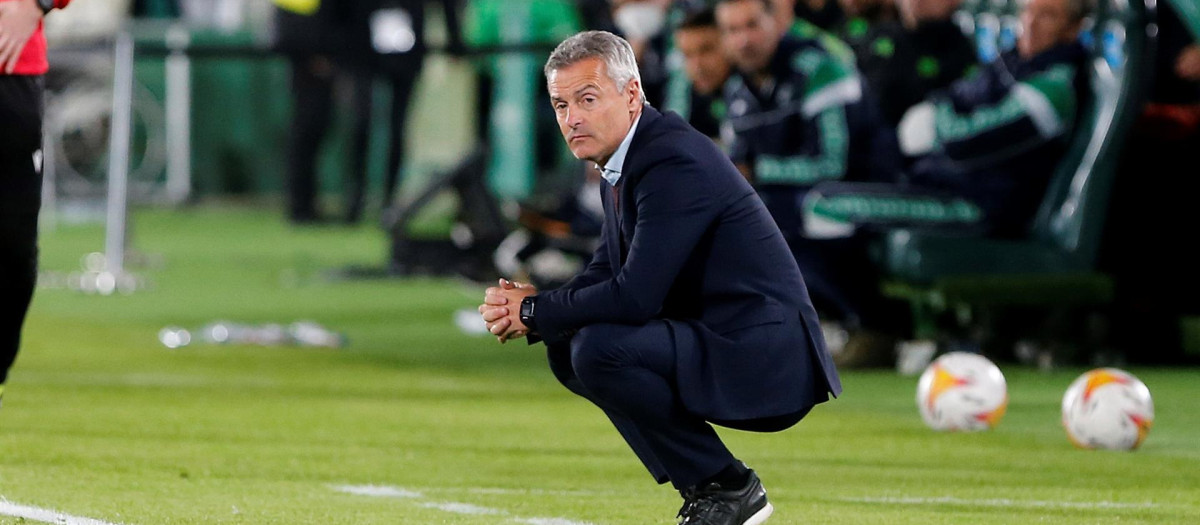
point(633, 90)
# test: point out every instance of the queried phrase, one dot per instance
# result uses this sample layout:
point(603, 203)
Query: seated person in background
point(904, 62)
point(825, 14)
point(987, 146)
point(863, 16)
point(787, 21)
point(700, 102)
point(798, 116)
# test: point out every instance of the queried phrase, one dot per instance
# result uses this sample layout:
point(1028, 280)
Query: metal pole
point(118, 160)
point(48, 219)
point(178, 126)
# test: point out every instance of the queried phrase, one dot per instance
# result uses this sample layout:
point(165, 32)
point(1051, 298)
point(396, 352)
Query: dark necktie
point(616, 198)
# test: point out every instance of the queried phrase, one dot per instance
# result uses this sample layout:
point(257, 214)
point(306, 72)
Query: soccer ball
point(962, 391)
point(1107, 408)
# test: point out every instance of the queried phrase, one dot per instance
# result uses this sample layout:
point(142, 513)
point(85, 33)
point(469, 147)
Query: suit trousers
point(20, 199)
point(629, 372)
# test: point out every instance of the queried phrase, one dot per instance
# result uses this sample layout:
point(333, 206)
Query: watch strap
point(529, 312)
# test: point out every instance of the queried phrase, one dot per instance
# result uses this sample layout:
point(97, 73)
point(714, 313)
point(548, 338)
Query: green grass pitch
point(101, 421)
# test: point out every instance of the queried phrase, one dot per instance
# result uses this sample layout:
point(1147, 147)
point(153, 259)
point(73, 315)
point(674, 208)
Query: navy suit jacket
point(693, 246)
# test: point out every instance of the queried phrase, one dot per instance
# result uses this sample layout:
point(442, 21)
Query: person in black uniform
point(307, 34)
point(387, 39)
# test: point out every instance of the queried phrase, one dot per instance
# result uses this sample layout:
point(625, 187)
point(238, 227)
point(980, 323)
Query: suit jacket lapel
point(622, 224)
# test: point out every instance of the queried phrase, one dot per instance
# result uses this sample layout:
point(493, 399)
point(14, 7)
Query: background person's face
point(784, 12)
point(1045, 24)
point(854, 8)
point(703, 59)
point(748, 34)
point(593, 115)
point(916, 11)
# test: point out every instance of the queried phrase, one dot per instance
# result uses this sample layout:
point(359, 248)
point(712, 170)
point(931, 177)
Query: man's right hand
point(501, 309)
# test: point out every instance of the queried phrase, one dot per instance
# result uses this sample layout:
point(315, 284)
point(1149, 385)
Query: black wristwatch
point(528, 305)
point(46, 6)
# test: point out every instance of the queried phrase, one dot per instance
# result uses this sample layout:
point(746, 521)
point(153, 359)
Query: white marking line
point(44, 515)
point(378, 491)
point(1003, 502)
point(532, 492)
point(460, 508)
point(383, 491)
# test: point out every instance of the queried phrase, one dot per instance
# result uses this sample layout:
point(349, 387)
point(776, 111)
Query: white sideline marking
point(383, 491)
point(378, 491)
point(531, 492)
point(547, 521)
point(1003, 502)
point(460, 508)
point(44, 515)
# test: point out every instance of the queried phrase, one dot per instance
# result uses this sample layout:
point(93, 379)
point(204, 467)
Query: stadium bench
point(1055, 266)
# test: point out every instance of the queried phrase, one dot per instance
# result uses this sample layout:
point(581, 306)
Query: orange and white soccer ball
point(1107, 408)
point(961, 391)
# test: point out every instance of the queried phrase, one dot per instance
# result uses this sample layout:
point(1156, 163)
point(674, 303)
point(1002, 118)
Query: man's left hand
point(18, 20)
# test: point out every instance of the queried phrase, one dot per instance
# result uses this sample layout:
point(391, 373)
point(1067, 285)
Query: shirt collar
point(611, 171)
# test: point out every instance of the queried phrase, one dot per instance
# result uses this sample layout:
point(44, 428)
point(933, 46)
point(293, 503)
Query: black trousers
point(313, 79)
point(629, 372)
point(312, 91)
point(20, 199)
point(401, 75)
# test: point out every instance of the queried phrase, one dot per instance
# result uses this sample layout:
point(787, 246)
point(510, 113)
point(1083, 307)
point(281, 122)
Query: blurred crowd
point(851, 117)
point(854, 117)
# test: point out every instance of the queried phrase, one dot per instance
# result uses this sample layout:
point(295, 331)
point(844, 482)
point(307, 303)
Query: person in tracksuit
point(22, 66)
point(386, 41)
point(695, 90)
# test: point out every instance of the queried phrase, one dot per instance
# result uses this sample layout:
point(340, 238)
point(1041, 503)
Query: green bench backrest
point(1071, 217)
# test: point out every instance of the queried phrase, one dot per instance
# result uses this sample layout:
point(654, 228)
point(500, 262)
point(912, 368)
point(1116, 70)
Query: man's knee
point(599, 350)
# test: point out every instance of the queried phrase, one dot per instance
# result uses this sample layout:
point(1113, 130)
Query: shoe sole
point(761, 516)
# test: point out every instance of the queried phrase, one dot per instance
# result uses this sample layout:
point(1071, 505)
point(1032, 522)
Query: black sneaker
point(712, 505)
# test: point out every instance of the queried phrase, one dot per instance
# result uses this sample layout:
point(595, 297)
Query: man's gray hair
point(616, 53)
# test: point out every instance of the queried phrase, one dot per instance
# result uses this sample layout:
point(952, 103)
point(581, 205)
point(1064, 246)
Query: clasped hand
point(501, 309)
